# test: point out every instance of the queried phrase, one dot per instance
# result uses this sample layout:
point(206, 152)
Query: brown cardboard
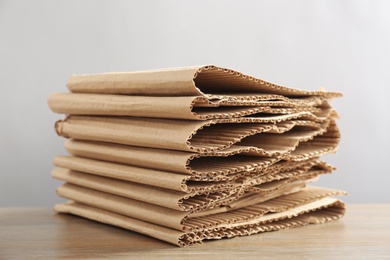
point(166, 234)
point(164, 197)
point(272, 213)
point(163, 179)
point(195, 108)
point(181, 182)
point(196, 153)
point(128, 181)
point(203, 165)
point(198, 136)
point(319, 212)
point(209, 81)
point(188, 221)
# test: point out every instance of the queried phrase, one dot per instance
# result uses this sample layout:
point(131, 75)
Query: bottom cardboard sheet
point(287, 211)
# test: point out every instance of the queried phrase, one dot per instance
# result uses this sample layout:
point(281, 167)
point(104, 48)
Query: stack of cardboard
point(195, 153)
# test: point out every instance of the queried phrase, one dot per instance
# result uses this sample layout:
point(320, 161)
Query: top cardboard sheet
point(209, 81)
point(195, 93)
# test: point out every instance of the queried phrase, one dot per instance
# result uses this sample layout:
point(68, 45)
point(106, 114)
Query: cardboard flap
point(186, 81)
point(202, 167)
point(182, 193)
point(190, 136)
point(275, 214)
point(186, 107)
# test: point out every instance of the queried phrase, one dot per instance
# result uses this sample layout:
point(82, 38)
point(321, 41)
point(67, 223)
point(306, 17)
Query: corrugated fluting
point(195, 153)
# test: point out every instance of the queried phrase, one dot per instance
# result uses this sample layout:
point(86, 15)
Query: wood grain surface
point(40, 233)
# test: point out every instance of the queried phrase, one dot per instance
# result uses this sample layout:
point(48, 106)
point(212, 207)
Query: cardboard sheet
point(191, 136)
point(193, 108)
point(183, 230)
point(209, 81)
point(188, 221)
point(195, 93)
point(186, 182)
point(196, 196)
point(202, 165)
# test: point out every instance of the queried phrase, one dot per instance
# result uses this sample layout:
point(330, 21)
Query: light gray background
point(339, 45)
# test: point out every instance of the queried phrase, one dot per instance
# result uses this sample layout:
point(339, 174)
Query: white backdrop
point(338, 45)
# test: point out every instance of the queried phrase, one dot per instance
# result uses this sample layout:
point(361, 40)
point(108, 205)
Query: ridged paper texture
point(198, 153)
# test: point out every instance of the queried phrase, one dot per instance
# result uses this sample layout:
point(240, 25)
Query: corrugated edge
point(187, 146)
point(162, 233)
point(252, 212)
point(211, 150)
point(305, 217)
point(250, 79)
point(192, 238)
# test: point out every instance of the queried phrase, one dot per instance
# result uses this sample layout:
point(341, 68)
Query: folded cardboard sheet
point(182, 229)
point(207, 136)
point(197, 153)
point(179, 192)
point(218, 166)
point(208, 81)
point(195, 93)
point(192, 108)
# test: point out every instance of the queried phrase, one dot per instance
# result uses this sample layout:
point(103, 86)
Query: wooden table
point(28, 233)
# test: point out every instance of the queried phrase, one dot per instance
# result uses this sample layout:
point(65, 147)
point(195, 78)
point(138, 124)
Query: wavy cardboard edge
point(209, 81)
point(187, 107)
point(158, 133)
point(311, 213)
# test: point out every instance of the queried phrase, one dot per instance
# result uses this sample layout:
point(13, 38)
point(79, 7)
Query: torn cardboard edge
point(209, 81)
